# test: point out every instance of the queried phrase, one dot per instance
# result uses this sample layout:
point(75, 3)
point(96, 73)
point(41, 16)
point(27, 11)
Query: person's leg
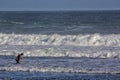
point(17, 61)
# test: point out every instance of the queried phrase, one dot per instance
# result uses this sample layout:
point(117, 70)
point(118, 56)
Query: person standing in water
point(18, 58)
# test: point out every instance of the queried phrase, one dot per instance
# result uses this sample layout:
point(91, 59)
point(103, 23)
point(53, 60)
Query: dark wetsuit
point(18, 58)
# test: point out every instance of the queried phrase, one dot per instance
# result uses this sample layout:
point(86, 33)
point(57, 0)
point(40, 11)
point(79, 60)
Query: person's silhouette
point(18, 58)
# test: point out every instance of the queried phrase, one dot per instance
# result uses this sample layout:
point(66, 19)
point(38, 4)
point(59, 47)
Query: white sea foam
point(56, 39)
point(94, 45)
point(61, 51)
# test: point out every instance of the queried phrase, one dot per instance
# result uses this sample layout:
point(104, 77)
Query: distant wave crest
point(5, 22)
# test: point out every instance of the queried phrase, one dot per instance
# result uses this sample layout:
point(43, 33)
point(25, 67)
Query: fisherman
point(18, 58)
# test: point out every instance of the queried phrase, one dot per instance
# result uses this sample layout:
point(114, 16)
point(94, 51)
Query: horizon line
point(64, 10)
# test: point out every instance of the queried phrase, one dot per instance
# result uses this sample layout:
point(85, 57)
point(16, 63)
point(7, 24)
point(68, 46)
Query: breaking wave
point(55, 45)
point(56, 39)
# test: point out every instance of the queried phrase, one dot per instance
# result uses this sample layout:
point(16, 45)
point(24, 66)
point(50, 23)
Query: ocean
point(58, 45)
point(60, 22)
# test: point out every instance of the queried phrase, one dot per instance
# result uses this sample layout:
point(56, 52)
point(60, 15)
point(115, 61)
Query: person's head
point(21, 54)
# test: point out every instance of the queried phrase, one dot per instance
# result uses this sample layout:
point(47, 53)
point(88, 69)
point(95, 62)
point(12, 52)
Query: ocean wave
point(61, 51)
point(56, 39)
point(89, 45)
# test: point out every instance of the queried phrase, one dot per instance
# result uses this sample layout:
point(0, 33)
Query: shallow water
point(60, 68)
point(56, 76)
